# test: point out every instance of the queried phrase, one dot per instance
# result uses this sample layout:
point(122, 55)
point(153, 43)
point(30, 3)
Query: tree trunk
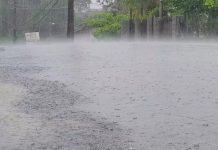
point(141, 21)
point(70, 24)
point(131, 23)
point(14, 32)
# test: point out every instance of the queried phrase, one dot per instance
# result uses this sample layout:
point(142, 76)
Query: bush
point(106, 24)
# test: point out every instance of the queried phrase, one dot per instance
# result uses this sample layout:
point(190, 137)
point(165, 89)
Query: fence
point(176, 27)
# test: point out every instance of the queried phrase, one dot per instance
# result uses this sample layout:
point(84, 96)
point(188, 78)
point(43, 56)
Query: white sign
point(32, 37)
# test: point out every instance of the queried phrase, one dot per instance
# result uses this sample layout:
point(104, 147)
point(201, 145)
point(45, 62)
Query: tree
point(201, 15)
point(106, 24)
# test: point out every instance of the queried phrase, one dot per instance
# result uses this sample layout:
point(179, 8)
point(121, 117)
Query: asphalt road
point(109, 96)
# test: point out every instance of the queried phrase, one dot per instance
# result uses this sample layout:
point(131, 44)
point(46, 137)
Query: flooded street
point(109, 96)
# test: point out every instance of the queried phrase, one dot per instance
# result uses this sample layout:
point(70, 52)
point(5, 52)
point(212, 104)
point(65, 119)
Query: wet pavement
point(142, 96)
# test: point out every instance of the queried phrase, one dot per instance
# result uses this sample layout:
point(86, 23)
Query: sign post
point(32, 37)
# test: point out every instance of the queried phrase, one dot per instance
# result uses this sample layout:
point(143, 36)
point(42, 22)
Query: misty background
point(122, 19)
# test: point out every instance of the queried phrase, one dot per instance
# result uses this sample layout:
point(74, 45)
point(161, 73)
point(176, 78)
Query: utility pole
point(142, 21)
point(161, 18)
point(161, 9)
point(70, 23)
point(14, 21)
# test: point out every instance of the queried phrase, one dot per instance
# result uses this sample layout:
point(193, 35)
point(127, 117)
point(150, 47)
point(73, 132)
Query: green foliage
point(149, 7)
point(211, 3)
point(200, 14)
point(153, 12)
point(106, 24)
point(191, 6)
point(186, 6)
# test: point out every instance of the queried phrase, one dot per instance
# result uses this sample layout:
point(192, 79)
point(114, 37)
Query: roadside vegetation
point(50, 17)
point(201, 15)
point(106, 24)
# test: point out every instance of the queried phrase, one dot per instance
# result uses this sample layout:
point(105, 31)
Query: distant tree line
point(49, 17)
point(201, 16)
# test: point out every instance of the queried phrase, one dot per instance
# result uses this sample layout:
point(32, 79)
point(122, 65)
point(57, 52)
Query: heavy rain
point(108, 75)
